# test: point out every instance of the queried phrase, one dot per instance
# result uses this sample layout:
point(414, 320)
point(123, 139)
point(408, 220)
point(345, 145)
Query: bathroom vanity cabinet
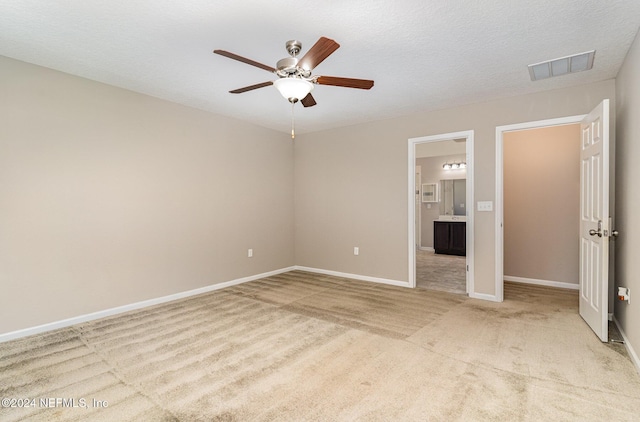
point(450, 237)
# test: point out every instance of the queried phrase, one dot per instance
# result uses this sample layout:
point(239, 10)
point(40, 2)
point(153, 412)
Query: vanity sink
point(452, 218)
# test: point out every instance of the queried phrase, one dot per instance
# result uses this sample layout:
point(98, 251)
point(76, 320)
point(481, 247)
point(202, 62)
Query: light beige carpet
point(301, 346)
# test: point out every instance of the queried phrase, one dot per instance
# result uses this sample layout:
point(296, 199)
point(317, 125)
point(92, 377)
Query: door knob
point(593, 232)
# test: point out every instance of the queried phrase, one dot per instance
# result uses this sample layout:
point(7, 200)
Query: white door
point(594, 220)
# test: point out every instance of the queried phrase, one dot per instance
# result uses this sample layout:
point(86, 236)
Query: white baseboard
point(426, 248)
point(632, 353)
point(354, 276)
point(549, 283)
point(125, 308)
point(483, 296)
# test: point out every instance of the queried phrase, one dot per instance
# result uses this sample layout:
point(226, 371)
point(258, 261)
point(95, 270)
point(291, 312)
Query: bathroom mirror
point(453, 194)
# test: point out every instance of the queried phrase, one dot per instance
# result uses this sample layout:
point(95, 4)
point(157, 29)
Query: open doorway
point(541, 187)
point(441, 247)
point(595, 208)
point(525, 221)
point(441, 208)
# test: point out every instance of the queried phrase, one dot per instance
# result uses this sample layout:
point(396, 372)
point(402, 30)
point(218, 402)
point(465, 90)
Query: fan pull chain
point(293, 131)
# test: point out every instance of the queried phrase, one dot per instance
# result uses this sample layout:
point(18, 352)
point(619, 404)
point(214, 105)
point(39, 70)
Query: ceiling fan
point(295, 80)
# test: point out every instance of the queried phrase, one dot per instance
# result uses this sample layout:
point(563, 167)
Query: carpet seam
point(116, 373)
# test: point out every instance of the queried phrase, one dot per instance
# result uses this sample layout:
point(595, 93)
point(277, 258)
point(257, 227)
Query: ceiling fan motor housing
point(288, 68)
point(288, 65)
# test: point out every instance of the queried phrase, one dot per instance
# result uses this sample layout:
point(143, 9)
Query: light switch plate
point(485, 205)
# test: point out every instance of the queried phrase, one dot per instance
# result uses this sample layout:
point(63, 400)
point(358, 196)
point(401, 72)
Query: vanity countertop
point(452, 218)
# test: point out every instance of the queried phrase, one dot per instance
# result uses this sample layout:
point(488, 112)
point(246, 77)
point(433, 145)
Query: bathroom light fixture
point(454, 166)
point(562, 66)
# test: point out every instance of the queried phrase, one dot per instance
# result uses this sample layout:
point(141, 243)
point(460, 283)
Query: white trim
point(549, 283)
point(411, 157)
point(426, 248)
point(499, 205)
point(133, 306)
point(484, 296)
point(418, 218)
point(471, 189)
point(411, 161)
point(499, 210)
point(632, 353)
point(354, 276)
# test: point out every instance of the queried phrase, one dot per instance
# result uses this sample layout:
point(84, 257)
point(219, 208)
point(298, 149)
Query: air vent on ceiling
point(562, 66)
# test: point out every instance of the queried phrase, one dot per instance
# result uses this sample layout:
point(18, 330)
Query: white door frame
point(468, 135)
point(499, 209)
point(418, 217)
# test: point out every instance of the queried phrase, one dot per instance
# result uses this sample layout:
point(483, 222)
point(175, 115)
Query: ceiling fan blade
point(345, 82)
point(308, 101)
point(251, 87)
point(322, 49)
point(244, 60)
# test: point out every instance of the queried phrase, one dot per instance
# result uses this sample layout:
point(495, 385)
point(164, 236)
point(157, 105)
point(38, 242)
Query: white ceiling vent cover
point(562, 66)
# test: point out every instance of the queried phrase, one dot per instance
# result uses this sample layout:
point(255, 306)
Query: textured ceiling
point(422, 54)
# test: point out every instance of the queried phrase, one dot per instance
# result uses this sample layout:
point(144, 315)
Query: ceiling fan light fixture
point(293, 89)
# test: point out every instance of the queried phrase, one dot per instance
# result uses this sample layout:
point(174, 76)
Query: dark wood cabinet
point(450, 237)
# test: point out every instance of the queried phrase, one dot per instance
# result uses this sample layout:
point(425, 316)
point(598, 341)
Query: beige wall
point(108, 197)
point(627, 245)
point(542, 204)
point(341, 203)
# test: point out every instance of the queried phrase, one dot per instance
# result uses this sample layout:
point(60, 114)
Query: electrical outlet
point(356, 250)
point(250, 253)
point(624, 294)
